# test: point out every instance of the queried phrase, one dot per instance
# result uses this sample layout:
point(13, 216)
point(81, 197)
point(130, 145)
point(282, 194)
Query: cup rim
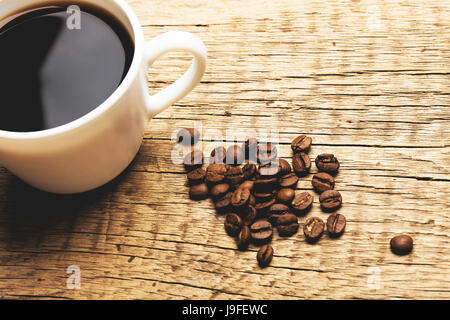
point(110, 101)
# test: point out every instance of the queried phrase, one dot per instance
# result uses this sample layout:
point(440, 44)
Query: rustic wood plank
point(367, 80)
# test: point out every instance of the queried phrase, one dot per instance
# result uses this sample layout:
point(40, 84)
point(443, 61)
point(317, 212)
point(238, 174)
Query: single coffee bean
point(243, 238)
point(327, 162)
point(249, 215)
point(234, 175)
point(219, 190)
point(198, 191)
point(401, 244)
point(250, 147)
point(216, 172)
point(264, 185)
point(287, 224)
point(235, 155)
point(289, 180)
point(336, 224)
point(223, 204)
point(262, 207)
point(322, 181)
point(302, 203)
point(233, 224)
point(301, 144)
point(285, 167)
point(240, 197)
point(269, 169)
point(301, 164)
point(275, 211)
point(196, 176)
point(188, 136)
point(264, 255)
point(266, 152)
point(261, 232)
point(218, 155)
point(285, 195)
point(249, 170)
point(247, 184)
point(313, 229)
point(330, 200)
point(193, 160)
point(265, 196)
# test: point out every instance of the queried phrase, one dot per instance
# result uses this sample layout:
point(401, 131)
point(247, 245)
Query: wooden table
point(367, 80)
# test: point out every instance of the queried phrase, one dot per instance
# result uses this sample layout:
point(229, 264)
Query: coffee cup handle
point(175, 41)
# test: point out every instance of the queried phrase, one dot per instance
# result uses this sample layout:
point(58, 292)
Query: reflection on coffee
point(54, 71)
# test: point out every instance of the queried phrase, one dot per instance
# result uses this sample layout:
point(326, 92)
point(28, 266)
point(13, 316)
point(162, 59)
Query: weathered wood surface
point(368, 80)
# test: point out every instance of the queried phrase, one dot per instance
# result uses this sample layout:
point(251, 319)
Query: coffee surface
point(51, 73)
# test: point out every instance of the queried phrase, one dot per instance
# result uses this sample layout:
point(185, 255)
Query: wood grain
point(367, 80)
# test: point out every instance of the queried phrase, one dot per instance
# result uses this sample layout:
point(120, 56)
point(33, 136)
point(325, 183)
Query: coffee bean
point(313, 229)
point(285, 195)
point(265, 196)
point(322, 181)
point(262, 207)
point(233, 224)
point(250, 147)
point(219, 190)
point(301, 144)
point(330, 200)
point(336, 224)
point(235, 155)
point(285, 167)
point(264, 255)
point(275, 211)
point(223, 204)
point(289, 180)
point(261, 232)
point(327, 162)
point(287, 224)
point(401, 244)
point(193, 160)
point(249, 170)
point(252, 200)
point(264, 185)
point(196, 176)
point(188, 136)
point(240, 197)
point(198, 191)
point(266, 152)
point(234, 175)
point(216, 172)
point(247, 184)
point(218, 155)
point(301, 164)
point(243, 238)
point(269, 169)
point(249, 215)
point(302, 203)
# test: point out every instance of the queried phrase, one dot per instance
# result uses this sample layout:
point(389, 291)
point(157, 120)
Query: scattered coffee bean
point(223, 204)
point(265, 196)
point(188, 136)
point(301, 144)
point(243, 238)
point(219, 190)
point(247, 184)
point(235, 155)
point(218, 155)
point(263, 185)
point(302, 203)
point(330, 200)
point(262, 207)
point(216, 173)
point(336, 224)
point(289, 180)
point(264, 255)
point(234, 175)
point(266, 152)
point(198, 191)
point(285, 195)
point(287, 224)
point(313, 229)
point(401, 244)
point(327, 162)
point(269, 169)
point(261, 232)
point(250, 147)
point(249, 170)
point(249, 215)
point(285, 167)
point(233, 224)
point(193, 160)
point(275, 211)
point(240, 197)
point(252, 200)
point(196, 176)
point(301, 163)
point(322, 181)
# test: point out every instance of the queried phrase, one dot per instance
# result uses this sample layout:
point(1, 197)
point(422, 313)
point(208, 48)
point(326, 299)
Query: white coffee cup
point(90, 151)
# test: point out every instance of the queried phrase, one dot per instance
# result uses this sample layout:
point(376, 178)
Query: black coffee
point(52, 72)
